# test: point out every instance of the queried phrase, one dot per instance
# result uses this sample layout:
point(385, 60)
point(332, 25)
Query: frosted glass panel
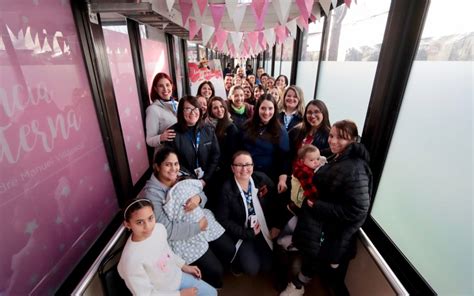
point(286, 69)
point(308, 66)
point(345, 87)
point(287, 57)
point(278, 49)
point(306, 78)
point(424, 201)
point(352, 52)
point(425, 198)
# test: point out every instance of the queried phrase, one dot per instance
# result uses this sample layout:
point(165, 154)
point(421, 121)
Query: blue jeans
point(204, 289)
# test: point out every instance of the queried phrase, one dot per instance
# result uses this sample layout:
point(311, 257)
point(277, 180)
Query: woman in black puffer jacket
point(327, 227)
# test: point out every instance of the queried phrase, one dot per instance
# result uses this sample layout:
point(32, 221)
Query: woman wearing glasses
point(244, 211)
point(313, 130)
point(195, 142)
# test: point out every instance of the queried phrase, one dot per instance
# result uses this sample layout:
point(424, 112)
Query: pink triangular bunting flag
point(348, 3)
point(186, 7)
point(193, 28)
point(217, 12)
point(280, 32)
point(302, 23)
point(221, 37)
point(305, 7)
point(253, 38)
point(202, 5)
point(261, 40)
point(259, 8)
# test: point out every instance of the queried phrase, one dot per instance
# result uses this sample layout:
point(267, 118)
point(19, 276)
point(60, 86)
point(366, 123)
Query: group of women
point(241, 149)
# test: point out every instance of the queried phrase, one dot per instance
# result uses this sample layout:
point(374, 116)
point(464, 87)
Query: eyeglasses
point(311, 113)
point(245, 165)
point(189, 110)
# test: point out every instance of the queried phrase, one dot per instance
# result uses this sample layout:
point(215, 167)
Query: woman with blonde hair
point(292, 107)
point(239, 110)
point(277, 95)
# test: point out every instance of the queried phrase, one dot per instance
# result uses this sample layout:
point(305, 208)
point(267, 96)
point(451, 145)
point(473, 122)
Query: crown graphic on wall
point(49, 44)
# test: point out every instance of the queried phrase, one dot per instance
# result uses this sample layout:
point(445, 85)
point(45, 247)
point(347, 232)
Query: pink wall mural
point(56, 190)
point(126, 96)
point(155, 55)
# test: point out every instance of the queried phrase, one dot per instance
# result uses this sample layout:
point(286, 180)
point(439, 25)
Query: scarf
point(240, 110)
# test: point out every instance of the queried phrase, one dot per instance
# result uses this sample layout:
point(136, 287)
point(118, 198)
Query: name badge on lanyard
point(198, 171)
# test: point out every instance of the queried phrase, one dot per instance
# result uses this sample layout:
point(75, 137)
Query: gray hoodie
point(156, 191)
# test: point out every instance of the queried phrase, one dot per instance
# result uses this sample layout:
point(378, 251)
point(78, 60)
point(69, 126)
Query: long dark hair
point(250, 100)
point(182, 126)
point(284, 77)
point(202, 85)
point(272, 129)
point(305, 127)
point(153, 93)
point(223, 123)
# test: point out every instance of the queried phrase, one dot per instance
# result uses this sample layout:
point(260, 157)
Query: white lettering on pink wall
point(35, 133)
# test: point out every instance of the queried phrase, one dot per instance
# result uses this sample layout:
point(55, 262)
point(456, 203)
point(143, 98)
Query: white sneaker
point(291, 290)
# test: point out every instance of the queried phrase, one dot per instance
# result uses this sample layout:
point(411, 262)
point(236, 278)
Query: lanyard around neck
point(196, 143)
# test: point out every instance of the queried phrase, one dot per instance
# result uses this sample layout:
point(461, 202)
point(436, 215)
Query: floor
point(262, 286)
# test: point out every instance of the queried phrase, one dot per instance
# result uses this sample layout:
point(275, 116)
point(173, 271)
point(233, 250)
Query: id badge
point(199, 173)
point(253, 220)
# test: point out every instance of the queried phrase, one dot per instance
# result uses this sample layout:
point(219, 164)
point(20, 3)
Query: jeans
point(203, 288)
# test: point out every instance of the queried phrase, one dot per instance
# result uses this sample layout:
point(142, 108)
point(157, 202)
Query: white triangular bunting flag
point(270, 36)
point(236, 38)
point(197, 14)
point(326, 5)
point(206, 33)
point(225, 49)
point(334, 3)
point(169, 4)
point(282, 9)
point(230, 5)
point(292, 28)
point(257, 48)
point(238, 16)
point(316, 11)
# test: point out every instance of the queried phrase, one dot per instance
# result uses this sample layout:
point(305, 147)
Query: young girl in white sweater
point(148, 265)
